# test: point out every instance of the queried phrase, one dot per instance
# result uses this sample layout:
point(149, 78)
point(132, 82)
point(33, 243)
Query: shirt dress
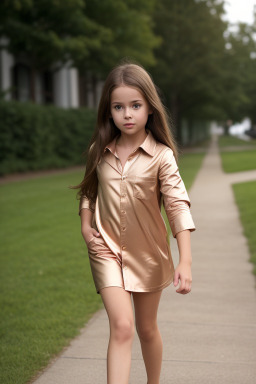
point(133, 251)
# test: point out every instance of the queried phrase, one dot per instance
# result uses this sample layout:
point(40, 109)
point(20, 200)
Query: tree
point(50, 31)
point(190, 59)
point(93, 35)
point(131, 27)
point(90, 35)
point(242, 54)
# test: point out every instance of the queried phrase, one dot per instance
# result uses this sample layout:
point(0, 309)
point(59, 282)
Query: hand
point(89, 233)
point(183, 273)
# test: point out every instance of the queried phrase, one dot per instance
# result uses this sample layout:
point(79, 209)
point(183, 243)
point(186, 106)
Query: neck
point(131, 141)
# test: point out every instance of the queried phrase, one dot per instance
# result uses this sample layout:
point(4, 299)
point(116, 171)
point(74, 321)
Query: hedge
point(34, 137)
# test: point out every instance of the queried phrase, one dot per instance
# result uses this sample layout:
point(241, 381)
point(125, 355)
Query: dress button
point(123, 212)
point(123, 247)
point(123, 195)
point(123, 228)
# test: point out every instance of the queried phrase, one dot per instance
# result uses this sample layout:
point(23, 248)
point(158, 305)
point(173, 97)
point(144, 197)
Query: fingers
point(176, 279)
point(89, 235)
point(185, 286)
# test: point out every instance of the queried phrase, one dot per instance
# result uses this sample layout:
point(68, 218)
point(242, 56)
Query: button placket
point(123, 194)
point(123, 203)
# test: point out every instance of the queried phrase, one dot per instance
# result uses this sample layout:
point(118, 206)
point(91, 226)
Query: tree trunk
point(94, 90)
point(227, 125)
point(175, 108)
point(190, 131)
point(33, 85)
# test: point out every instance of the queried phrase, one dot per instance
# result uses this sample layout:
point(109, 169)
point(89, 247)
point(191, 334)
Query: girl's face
point(129, 109)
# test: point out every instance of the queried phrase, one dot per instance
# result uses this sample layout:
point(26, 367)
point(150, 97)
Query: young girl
point(131, 170)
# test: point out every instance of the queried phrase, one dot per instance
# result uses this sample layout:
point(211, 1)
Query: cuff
point(86, 204)
point(182, 223)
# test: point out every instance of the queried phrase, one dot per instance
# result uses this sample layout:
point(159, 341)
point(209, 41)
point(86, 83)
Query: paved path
point(240, 177)
point(236, 148)
point(210, 334)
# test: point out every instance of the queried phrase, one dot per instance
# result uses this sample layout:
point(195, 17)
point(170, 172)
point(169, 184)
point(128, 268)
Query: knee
point(147, 332)
point(122, 330)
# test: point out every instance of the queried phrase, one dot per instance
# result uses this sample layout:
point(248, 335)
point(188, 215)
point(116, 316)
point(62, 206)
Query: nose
point(127, 113)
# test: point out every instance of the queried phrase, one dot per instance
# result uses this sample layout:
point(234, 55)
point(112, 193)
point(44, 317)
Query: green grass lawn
point(200, 144)
point(189, 165)
point(245, 199)
point(227, 141)
point(238, 161)
point(47, 291)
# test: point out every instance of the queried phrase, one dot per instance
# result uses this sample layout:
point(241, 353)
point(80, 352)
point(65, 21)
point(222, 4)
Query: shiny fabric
point(105, 266)
point(127, 213)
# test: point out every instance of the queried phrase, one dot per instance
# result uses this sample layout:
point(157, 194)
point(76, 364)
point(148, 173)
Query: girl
point(131, 170)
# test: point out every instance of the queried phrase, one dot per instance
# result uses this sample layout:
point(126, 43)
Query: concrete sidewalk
point(209, 335)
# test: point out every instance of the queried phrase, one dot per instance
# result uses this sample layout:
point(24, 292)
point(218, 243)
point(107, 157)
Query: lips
point(129, 125)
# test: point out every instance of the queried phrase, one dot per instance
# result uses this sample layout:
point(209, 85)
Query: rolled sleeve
point(85, 203)
point(175, 197)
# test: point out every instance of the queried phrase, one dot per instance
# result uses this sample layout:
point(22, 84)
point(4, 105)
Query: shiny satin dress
point(132, 251)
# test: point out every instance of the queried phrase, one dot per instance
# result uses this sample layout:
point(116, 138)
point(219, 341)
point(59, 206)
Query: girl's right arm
point(86, 225)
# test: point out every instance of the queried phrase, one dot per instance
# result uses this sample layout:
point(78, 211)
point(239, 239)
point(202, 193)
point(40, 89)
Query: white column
point(65, 87)
point(6, 63)
point(60, 88)
point(38, 88)
point(100, 85)
point(89, 91)
point(73, 88)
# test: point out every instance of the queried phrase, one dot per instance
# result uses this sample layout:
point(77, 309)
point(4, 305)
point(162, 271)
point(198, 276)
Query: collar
point(148, 144)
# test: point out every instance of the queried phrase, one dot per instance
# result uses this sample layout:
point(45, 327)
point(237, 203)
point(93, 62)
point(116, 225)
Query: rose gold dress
point(132, 251)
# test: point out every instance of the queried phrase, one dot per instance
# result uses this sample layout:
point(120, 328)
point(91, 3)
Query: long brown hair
point(132, 75)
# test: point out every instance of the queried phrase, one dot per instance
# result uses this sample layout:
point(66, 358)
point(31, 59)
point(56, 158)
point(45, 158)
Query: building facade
point(60, 85)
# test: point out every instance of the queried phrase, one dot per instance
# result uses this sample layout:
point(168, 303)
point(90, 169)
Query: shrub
point(34, 137)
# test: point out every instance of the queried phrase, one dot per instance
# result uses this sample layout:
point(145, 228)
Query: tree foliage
point(90, 34)
point(241, 72)
point(50, 31)
point(190, 59)
point(130, 24)
point(207, 71)
point(203, 70)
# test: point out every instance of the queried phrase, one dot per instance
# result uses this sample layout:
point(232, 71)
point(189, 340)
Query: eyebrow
point(119, 102)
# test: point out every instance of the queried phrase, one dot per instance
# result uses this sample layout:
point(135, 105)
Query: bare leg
point(146, 306)
point(118, 305)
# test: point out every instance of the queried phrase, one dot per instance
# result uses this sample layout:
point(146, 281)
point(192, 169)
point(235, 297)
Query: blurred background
point(54, 57)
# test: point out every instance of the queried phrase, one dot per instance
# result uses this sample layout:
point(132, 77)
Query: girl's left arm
point(177, 206)
point(183, 270)
point(175, 197)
